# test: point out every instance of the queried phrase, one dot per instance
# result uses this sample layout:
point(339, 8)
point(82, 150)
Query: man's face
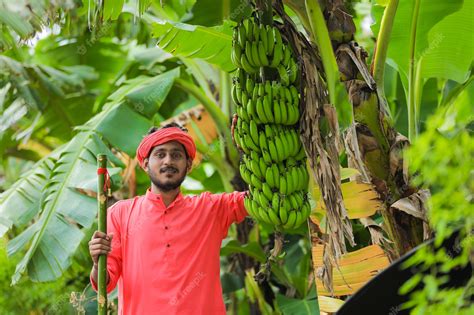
point(167, 165)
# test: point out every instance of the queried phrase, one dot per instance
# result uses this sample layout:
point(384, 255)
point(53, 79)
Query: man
point(163, 247)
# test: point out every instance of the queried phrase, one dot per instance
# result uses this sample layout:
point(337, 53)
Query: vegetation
point(80, 78)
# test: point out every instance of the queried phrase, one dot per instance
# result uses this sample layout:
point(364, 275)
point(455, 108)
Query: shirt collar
point(157, 197)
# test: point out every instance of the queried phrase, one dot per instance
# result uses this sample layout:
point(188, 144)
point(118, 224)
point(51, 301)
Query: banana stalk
point(102, 190)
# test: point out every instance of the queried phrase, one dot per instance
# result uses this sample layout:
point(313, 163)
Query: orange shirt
point(166, 259)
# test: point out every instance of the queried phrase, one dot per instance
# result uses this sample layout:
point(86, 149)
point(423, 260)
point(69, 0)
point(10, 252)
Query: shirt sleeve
point(230, 208)
point(114, 259)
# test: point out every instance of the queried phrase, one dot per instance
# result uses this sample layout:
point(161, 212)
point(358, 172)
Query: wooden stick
point(102, 186)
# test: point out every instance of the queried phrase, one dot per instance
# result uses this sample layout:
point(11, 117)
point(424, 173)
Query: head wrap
point(164, 135)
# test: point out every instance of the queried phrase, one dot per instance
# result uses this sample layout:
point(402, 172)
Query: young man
point(163, 247)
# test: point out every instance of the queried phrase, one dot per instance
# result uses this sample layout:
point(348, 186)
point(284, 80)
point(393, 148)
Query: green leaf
point(451, 49)
point(19, 203)
point(14, 21)
point(234, 10)
point(54, 237)
point(111, 124)
point(112, 9)
point(212, 44)
point(252, 249)
point(289, 306)
point(148, 97)
point(430, 13)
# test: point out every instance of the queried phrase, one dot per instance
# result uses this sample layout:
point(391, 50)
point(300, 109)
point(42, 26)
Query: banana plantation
point(348, 123)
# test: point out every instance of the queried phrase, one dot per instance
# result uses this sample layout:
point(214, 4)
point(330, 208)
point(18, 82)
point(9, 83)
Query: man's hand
point(100, 244)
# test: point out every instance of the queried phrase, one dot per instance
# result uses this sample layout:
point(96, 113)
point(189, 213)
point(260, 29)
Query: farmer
point(163, 247)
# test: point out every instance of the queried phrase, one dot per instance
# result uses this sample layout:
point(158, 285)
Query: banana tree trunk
point(373, 145)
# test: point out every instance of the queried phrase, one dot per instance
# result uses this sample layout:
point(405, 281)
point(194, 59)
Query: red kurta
point(166, 260)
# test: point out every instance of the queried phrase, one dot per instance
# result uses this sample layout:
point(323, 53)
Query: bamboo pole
point(102, 187)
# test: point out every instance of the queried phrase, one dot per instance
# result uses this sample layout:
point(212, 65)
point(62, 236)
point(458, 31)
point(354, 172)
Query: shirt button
point(165, 212)
point(166, 227)
point(168, 245)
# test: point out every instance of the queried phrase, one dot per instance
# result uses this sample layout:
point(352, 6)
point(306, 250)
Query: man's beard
point(165, 187)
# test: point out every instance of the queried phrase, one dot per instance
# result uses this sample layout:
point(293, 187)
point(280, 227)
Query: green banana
point(244, 97)
point(277, 55)
point(233, 93)
point(261, 112)
point(293, 71)
point(267, 107)
point(255, 181)
point(266, 156)
point(255, 56)
point(280, 148)
point(277, 112)
point(250, 144)
point(270, 40)
point(286, 57)
point(263, 214)
point(291, 144)
point(234, 58)
point(291, 220)
point(276, 201)
point(261, 90)
point(255, 168)
point(251, 110)
point(288, 96)
point(299, 220)
point(296, 141)
point(254, 131)
point(276, 175)
point(262, 166)
point(294, 178)
point(284, 78)
point(248, 30)
point(269, 178)
point(238, 94)
point(283, 185)
point(283, 212)
point(294, 94)
point(289, 183)
point(285, 143)
point(246, 65)
point(241, 35)
point(262, 55)
point(255, 92)
point(269, 131)
point(291, 114)
point(273, 151)
point(249, 85)
point(262, 141)
point(268, 90)
point(293, 201)
point(283, 112)
point(301, 154)
point(275, 220)
point(267, 191)
point(256, 32)
point(248, 54)
point(263, 200)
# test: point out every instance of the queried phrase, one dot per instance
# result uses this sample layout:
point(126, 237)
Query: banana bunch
point(255, 46)
point(266, 103)
point(273, 162)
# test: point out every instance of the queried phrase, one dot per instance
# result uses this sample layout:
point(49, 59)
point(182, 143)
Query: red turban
point(164, 135)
